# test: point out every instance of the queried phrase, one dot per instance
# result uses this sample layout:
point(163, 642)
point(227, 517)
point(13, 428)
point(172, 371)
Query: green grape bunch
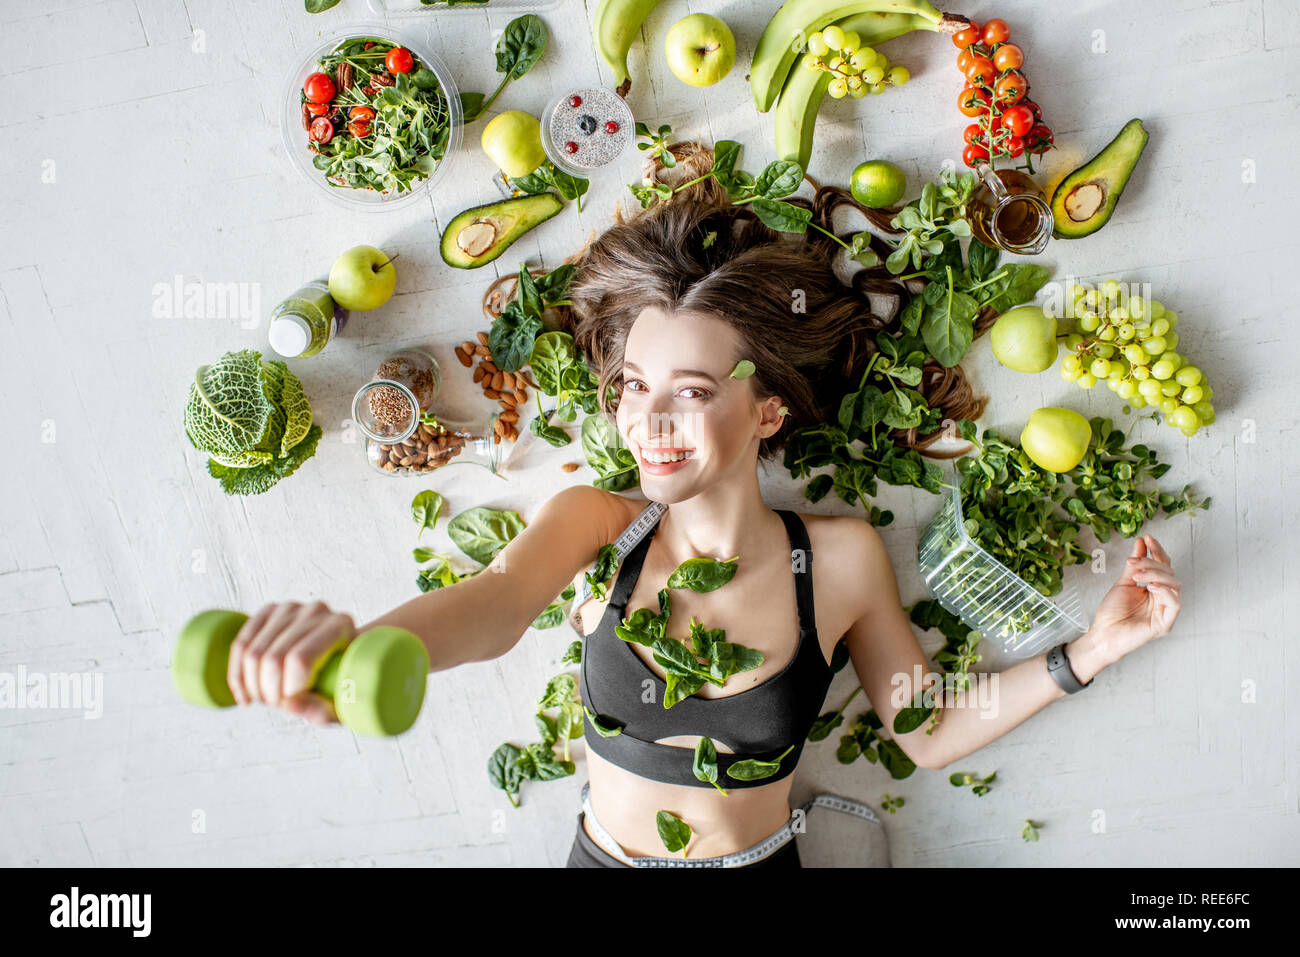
point(1129, 343)
point(855, 70)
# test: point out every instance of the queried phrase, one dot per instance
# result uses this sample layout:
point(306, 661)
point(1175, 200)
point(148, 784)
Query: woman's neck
point(727, 520)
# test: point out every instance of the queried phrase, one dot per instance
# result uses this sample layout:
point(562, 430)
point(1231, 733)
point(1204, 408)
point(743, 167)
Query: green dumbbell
point(376, 681)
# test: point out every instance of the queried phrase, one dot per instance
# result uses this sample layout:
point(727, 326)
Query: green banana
point(788, 31)
point(795, 116)
point(615, 26)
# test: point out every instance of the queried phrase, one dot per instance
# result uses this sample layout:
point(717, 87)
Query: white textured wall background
point(168, 162)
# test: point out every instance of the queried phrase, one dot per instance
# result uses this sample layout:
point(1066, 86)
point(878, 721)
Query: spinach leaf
point(424, 509)
point(726, 153)
point(552, 353)
point(553, 434)
point(550, 617)
point(949, 324)
point(511, 338)
point(704, 765)
point(471, 106)
point(504, 771)
point(320, 6)
point(983, 260)
point(783, 217)
point(894, 759)
point(521, 45)
point(614, 463)
point(673, 831)
point(602, 729)
point(779, 178)
point(754, 770)
point(573, 654)
point(702, 574)
point(1019, 284)
point(605, 565)
point(554, 285)
point(481, 532)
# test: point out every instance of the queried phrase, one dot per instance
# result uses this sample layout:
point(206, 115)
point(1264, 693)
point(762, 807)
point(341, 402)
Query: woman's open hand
point(273, 657)
point(1141, 605)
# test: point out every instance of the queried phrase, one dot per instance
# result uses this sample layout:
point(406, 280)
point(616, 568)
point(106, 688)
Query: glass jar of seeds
point(435, 443)
point(389, 406)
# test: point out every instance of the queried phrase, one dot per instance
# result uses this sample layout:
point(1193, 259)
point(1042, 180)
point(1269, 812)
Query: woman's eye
point(633, 385)
point(700, 393)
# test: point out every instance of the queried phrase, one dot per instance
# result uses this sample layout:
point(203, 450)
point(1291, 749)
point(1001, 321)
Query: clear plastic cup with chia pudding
point(586, 129)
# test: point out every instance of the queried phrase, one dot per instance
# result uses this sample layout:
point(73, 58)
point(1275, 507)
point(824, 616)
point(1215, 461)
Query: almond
point(498, 427)
point(463, 357)
point(570, 466)
point(468, 346)
point(510, 415)
point(508, 380)
point(482, 337)
point(521, 396)
point(507, 400)
point(482, 350)
point(489, 366)
point(492, 393)
point(479, 373)
point(498, 380)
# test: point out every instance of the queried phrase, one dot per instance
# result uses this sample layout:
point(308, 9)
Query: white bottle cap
point(289, 335)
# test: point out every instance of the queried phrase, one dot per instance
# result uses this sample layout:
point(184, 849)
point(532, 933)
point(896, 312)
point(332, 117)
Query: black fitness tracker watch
point(1058, 666)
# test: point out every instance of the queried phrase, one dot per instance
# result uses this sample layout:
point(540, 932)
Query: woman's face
point(687, 422)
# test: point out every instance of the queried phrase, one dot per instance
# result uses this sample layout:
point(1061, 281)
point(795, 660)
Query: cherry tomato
point(1033, 108)
point(399, 60)
point(1008, 56)
point(359, 129)
point(1014, 145)
point(319, 88)
point(1018, 119)
point(363, 114)
point(996, 31)
point(981, 70)
point(318, 109)
point(963, 60)
point(322, 130)
point(974, 155)
point(964, 38)
point(974, 135)
point(972, 102)
point(1010, 89)
point(1039, 139)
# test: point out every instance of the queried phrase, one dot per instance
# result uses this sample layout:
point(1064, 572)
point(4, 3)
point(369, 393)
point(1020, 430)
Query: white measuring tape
point(626, 541)
point(749, 855)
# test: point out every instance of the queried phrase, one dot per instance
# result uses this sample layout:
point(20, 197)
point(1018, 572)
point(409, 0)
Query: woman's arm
point(888, 658)
point(483, 617)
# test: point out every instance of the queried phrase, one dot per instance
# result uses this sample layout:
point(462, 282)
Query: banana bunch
point(615, 26)
point(791, 25)
point(801, 97)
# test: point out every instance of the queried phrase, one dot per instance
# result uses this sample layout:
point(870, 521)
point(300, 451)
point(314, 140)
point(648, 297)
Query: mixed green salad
point(376, 117)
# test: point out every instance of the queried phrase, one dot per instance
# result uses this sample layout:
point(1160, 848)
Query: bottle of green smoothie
point(303, 324)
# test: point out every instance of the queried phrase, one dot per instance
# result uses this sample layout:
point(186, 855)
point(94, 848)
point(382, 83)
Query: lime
point(877, 183)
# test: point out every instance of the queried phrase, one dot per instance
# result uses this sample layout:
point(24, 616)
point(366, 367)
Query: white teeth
point(661, 458)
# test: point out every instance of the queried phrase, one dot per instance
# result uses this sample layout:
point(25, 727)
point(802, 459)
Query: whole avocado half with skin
point(480, 234)
point(1084, 200)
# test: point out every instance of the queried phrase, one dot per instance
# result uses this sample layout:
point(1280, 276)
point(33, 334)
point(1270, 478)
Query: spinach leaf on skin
point(673, 831)
point(753, 770)
point(482, 532)
point(614, 463)
point(702, 574)
point(704, 765)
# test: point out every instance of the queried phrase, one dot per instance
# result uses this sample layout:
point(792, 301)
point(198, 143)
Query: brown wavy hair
point(751, 276)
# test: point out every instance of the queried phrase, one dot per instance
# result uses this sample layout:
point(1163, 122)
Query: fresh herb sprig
point(979, 786)
point(509, 766)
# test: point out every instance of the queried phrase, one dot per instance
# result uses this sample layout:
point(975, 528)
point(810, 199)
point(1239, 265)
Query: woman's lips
point(662, 468)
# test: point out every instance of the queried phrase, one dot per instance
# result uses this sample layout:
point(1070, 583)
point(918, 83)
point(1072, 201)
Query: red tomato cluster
point(1007, 124)
point(319, 90)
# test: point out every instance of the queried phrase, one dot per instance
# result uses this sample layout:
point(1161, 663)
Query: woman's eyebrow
point(677, 373)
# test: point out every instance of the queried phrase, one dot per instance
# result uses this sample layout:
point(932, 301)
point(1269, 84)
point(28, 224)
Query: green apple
point(513, 140)
point(362, 278)
point(1024, 339)
point(700, 49)
point(1056, 439)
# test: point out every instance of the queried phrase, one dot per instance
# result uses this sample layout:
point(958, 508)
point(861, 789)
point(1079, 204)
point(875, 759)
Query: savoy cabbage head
point(253, 420)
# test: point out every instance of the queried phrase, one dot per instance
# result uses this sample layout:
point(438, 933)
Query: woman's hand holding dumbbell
point(272, 657)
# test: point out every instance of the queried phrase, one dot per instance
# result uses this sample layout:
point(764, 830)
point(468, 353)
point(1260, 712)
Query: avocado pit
point(477, 237)
point(1082, 202)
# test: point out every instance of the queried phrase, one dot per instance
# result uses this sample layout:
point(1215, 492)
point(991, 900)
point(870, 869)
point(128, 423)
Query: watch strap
point(1058, 666)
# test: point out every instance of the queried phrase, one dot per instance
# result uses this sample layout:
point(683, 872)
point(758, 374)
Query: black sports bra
point(760, 722)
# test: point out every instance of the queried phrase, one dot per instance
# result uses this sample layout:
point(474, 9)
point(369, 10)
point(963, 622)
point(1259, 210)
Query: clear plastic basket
point(414, 8)
point(989, 597)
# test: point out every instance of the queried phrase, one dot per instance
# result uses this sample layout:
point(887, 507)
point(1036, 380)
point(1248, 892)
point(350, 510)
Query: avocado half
point(1083, 202)
point(480, 234)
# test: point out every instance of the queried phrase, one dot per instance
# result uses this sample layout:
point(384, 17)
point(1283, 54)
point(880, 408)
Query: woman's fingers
point(313, 707)
point(1157, 577)
point(235, 662)
point(270, 667)
point(298, 660)
point(1155, 550)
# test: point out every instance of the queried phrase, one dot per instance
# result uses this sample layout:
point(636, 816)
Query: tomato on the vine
point(322, 130)
point(1033, 108)
point(318, 88)
point(964, 58)
point(1018, 119)
point(973, 135)
point(363, 114)
point(399, 60)
point(1039, 139)
point(996, 31)
point(973, 155)
point(981, 69)
point(1010, 89)
point(972, 102)
point(964, 38)
point(1014, 145)
point(1008, 56)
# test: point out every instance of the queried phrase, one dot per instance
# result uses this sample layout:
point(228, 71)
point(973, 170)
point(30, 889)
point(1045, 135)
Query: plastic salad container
point(411, 8)
point(988, 596)
point(297, 142)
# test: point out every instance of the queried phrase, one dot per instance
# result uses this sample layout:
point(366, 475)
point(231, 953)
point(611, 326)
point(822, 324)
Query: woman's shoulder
point(844, 541)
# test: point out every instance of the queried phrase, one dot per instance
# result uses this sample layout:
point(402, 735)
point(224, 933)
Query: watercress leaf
point(424, 509)
point(521, 45)
point(908, 218)
point(783, 217)
point(743, 369)
point(958, 227)
point(481, 532)
point(896, 262)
